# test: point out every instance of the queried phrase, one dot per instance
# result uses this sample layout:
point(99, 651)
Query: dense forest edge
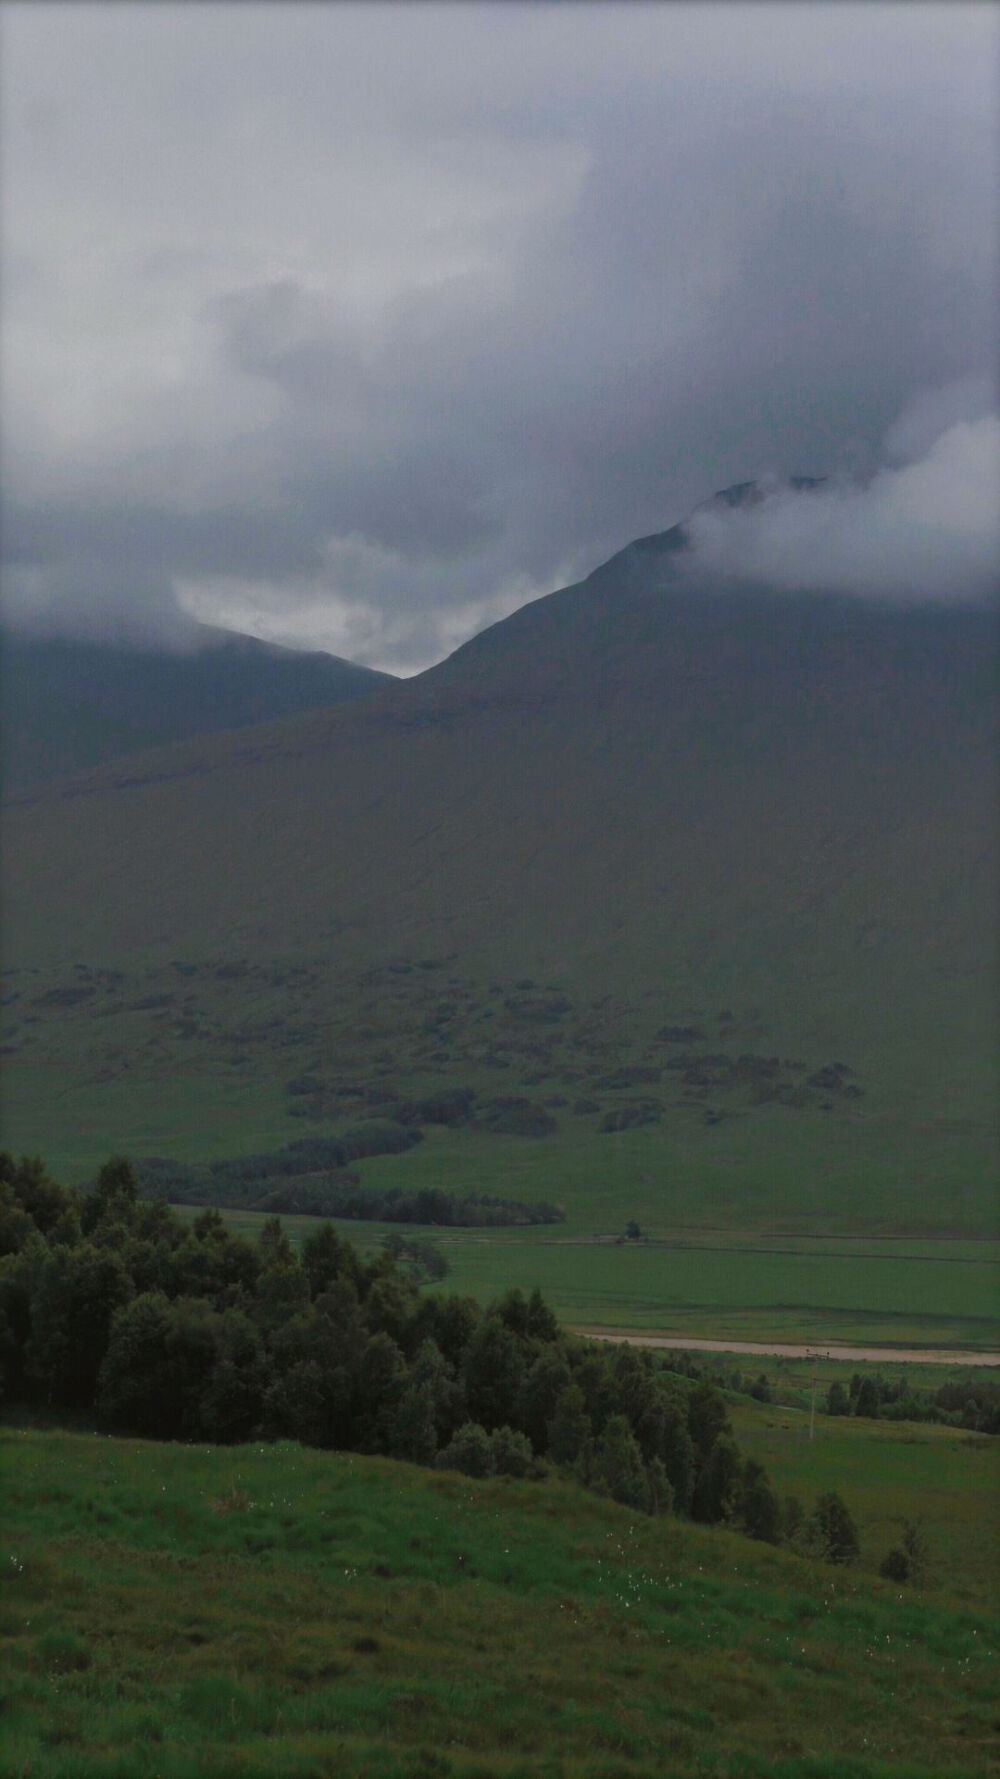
point(114, 1307)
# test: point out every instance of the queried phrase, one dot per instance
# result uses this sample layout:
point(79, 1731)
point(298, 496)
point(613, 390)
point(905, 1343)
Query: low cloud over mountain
point(926, 528)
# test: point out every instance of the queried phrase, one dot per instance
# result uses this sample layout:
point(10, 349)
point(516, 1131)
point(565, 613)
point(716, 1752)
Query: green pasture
point(268, 1610)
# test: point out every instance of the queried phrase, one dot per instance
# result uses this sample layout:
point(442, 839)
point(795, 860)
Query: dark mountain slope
point(687, 798)
point(70, 705)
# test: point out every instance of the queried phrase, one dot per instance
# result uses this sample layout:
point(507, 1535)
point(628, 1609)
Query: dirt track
point(784, 1350)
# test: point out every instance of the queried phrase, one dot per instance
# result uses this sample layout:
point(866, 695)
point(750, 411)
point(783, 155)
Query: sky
point(356, 327)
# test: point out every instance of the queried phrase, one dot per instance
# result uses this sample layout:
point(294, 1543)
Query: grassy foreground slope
point(636, 806)
point(269, 1610)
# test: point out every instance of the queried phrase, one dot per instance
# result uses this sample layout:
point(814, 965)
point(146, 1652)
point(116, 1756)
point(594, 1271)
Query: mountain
point(71, 705)
point(710, 861)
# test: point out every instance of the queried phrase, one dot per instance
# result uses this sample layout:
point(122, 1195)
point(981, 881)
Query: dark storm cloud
point(364, 325)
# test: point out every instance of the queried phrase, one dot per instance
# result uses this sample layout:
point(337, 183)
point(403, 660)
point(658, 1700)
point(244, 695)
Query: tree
point(894, 1566)
point(707, 1417)
point(326, 1258)
point(512, 1453)
point(569, 1431)
point(837, 1400)
point(717, 1490)
point(916, 1551)
point(538, 1395)
point(470, 1450)
point(33, 1189)
point(867, 1400)
point(114, 1196)
point(759, 1506)
point(542, 1324)
point(678, 1456)
point(431, 1369)
point(493, 1370)
point(159, 1361)
point(412, 1433)
point(381, 1384)
point(834, 1530)
point(618, 1468)
point(390, 1307)
point(75, 1294)
point(296, 1406)
point(632, 1231)
point(660, 1492)
point(908, 1561)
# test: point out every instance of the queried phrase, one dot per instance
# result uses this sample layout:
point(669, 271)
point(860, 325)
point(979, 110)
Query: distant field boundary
point(788, 1350)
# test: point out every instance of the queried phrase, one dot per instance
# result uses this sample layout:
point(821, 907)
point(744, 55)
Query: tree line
point(114, 1307)
point(310, 1177)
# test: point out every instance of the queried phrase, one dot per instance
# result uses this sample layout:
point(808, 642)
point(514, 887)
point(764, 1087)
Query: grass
point(266, 1610)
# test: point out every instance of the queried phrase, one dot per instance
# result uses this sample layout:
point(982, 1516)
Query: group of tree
point(311, 1178)
point(970, 1403)
point(114, 1307)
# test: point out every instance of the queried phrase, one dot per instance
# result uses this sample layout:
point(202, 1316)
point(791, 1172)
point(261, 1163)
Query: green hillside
point(267, 1610)
point(69, 705)
point(705, 876)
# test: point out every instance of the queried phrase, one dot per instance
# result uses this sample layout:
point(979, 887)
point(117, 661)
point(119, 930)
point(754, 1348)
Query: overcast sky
point(360, 325)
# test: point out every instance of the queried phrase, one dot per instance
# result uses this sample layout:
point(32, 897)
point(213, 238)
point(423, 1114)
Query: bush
point(512, 1453)
point(470, 1450)
point(894, 1566)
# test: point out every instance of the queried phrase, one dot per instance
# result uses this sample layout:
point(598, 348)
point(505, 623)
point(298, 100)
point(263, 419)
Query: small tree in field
point(834, 1530)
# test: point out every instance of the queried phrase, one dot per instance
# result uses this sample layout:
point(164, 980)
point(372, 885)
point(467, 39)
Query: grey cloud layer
point(362, 325)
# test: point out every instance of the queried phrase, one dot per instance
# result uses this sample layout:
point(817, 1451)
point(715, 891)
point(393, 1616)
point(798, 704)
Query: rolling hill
point(68, 705)
point(705, 872)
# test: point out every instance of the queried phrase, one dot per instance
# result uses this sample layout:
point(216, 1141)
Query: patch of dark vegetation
point(303, 1084)
point(831, 1078)
point(620, 1079)
point(514, 1116)
point(450, 1106)
point(233, 971)
point(65, 997)
point(344, 1196)
point(538, 1009)
point(680, 1034)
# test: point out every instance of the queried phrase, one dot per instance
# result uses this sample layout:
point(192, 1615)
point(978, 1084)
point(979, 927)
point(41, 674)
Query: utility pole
point(812, 1405)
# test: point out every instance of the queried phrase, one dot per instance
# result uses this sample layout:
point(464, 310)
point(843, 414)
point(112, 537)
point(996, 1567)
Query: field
point(266, 1610)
